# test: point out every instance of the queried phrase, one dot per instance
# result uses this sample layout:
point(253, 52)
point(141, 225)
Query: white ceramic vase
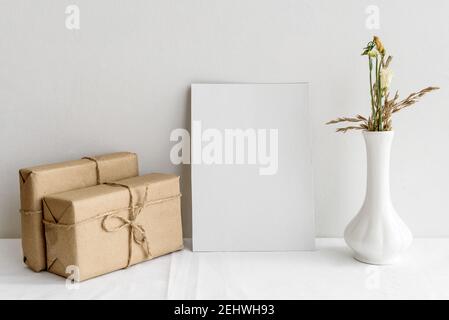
point(377, 234)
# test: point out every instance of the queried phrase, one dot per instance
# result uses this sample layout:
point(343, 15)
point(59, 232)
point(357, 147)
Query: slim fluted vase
point(377, 234)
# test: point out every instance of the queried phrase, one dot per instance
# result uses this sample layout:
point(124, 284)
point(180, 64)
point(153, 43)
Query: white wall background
point(121, 82)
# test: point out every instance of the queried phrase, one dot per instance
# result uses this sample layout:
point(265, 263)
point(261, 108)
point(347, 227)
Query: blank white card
point(252, 179)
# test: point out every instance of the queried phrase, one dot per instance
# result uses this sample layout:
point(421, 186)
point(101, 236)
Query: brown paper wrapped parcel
point(112, 226)
point(39, 181)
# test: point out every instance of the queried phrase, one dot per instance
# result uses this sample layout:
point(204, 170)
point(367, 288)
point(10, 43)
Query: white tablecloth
point(327, 273)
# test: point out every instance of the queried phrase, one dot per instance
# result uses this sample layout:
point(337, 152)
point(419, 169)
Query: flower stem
point(373, 112)
point(379, 93)
point(376, 120)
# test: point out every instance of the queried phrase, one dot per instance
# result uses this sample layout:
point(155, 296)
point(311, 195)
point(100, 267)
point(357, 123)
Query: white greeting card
point(252, 187)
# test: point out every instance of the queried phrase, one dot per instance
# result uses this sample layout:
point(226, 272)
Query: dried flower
point(386, 75)
point(382, 107)
point(368, 50)
point(379, 45)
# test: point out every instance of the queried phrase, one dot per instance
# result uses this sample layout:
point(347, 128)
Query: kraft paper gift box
point(37, 182)
point(112, 226)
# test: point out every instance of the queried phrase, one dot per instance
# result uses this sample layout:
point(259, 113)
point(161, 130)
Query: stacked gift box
point(97, 215)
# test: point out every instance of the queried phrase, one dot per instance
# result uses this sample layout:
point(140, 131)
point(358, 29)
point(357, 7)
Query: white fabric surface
point(327, 273)
point(143, 281)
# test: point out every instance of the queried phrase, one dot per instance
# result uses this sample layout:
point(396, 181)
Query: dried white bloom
point(386, 75)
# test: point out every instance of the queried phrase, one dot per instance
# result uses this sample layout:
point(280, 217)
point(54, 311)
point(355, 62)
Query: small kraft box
point(100, 229)
point(39, 181)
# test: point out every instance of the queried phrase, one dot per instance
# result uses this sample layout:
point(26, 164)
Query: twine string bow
point(137, 232)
